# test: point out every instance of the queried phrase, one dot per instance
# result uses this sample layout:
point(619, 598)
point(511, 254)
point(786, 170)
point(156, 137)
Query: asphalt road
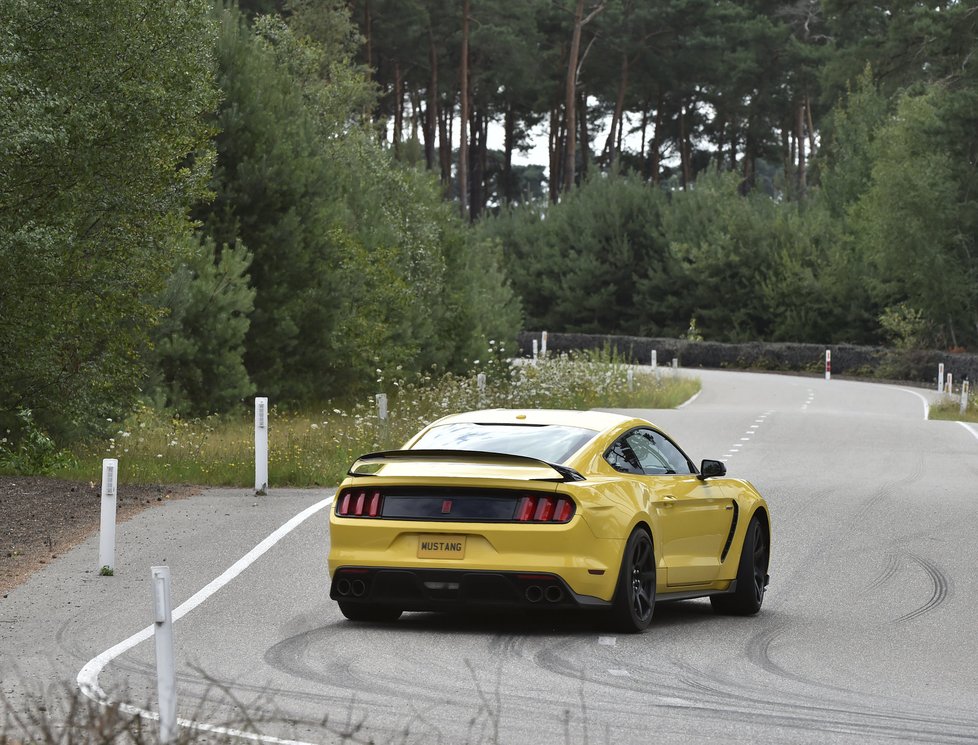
point(868, 631)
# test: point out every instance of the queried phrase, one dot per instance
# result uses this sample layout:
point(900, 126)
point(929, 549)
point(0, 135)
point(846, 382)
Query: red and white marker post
point(828, 364)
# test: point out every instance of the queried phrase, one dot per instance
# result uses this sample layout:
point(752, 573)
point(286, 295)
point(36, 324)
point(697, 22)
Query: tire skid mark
point(694, 693)
point(891, 567)
point(940, 588)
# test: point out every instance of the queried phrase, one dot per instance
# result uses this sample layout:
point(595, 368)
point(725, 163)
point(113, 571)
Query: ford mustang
point(544, 509)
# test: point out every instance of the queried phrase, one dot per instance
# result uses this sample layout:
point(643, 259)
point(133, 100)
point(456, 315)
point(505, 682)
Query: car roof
point(596, 420)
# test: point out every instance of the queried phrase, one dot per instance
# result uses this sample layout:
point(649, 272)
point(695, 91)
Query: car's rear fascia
point(584, 565)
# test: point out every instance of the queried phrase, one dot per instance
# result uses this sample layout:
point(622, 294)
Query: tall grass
point(316, 447)
point(949, 408)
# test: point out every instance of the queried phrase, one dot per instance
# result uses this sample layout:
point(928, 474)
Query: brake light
point(360, 504)
point(544, 509)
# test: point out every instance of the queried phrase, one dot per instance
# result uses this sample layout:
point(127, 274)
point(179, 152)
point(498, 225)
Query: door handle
point(668, 500)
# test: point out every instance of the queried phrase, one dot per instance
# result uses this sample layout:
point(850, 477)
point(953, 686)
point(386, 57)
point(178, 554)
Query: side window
point(645, 451)
point(622, 458)
point(678, 462)
point(644, 444)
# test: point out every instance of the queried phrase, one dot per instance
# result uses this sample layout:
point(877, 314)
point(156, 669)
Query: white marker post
point(949, 385)
point(536, 349)
point(381, 399)
point(261, 445)
point(828, 364)
point(631, 379)
point(940, 378)
point(543, 344)
point(964, 396)
point(480, 383)
point(166, 672)
point(106, 541)
point(655, 360)
point(675, 363)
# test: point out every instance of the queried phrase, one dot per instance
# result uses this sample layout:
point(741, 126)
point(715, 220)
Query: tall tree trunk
point(721, 141)
point(431, 118)
point(463, 151)
point(585, 140)
point(509, 132)
point(555, 153)
point(398, 109)
point(368, 35)
point(643, 158)
point(800, 136)
point(612, 146)
point(684, 146)
point(476, 174)
point(445, 115)
point(656, 146)
point(570, 97)
point(811, 126)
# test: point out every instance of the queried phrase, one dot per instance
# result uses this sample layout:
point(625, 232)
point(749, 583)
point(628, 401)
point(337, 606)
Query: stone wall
point(866, 362)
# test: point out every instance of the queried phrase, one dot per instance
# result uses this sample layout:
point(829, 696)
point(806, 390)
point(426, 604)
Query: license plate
point(441, 547)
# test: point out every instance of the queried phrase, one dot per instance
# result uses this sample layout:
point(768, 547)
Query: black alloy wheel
point(752, 575)
point(635, 594)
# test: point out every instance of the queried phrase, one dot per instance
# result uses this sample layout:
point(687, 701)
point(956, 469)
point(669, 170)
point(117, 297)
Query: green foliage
point(905, 326)
point(907, 221)
point(35, 452)
point(197, 357)
point(102, 146)
point(358, 265)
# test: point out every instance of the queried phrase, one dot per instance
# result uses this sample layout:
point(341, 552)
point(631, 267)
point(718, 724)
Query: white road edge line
point(970, 429)
point(921, 397)
point(689, 400)
point(88, 676)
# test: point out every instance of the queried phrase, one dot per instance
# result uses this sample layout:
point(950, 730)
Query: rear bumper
point(455, 589)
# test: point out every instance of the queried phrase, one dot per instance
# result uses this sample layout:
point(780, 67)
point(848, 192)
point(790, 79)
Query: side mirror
point(712, 468)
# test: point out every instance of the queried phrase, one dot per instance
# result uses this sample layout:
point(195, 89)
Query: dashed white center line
point(619, 673)
point(751, 431)
point(608, 641)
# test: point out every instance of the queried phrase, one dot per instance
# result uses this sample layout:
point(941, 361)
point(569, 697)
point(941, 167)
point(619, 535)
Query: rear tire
point(752, 576)
point(374, 613)
point(631, 610)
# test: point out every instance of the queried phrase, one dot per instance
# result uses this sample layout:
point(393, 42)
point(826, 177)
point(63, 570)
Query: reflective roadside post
point(381, 399)
point(536, 350)
point(480, 382)
point(543, 344)
point(940, 378)
point(166, 676)
point(949, 385)
point(964, 396)
point(106, 539)
point(828, 364)
point(261, 445)
point(631, 379)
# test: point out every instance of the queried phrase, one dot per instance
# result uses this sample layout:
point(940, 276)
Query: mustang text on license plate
point(441, 547)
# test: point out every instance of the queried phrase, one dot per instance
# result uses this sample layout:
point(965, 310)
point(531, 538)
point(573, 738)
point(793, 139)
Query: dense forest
point(298, 198)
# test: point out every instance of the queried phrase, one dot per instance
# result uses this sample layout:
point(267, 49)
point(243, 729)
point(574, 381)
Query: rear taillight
point(361, 503)
point(544, 509)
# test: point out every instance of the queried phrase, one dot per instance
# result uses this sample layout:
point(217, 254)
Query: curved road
point(867, 632)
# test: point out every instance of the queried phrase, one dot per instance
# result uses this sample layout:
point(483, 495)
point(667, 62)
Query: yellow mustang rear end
point(533, 510)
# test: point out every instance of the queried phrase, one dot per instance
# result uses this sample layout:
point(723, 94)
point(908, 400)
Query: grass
point(949, 408)
point(311, 448)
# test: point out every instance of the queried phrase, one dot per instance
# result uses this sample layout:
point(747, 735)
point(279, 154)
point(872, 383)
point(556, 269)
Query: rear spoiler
point(564, 474)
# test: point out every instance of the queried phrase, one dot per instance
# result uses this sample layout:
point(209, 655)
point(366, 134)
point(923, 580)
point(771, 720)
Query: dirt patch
point(41, 518)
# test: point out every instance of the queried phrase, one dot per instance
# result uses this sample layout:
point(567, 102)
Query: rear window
point(548, 442)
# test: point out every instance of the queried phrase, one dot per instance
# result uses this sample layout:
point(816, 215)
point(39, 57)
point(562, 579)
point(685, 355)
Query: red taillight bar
point(544, 509)
point(360, 504)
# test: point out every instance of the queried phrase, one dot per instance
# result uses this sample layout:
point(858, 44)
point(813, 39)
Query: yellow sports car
point(544, 509)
